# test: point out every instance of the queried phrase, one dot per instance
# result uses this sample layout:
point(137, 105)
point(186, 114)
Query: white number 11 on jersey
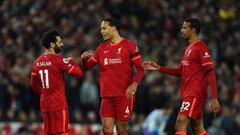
point(44, 76)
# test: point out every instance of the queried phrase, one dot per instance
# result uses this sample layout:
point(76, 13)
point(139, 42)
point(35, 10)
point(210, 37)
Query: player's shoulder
point(202, 43)
point(38, 59)
point(103, 44)
point(129, 44)
point(129, 41)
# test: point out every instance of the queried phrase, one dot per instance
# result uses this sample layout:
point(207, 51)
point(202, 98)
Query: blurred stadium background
point(153, 24)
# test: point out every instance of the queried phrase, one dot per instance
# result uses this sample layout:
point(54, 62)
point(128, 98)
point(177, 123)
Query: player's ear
point(52, 44)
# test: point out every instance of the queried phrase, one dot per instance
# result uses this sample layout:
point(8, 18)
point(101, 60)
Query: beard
point(57, 49)
point(184, 36)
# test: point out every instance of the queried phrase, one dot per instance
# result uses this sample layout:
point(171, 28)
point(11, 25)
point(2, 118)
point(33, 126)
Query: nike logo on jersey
point(105, 51)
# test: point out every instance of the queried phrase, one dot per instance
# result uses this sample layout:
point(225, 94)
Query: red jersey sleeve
point(206, 61)
point(205, 56)
point(34, 81)
point(172, 71)
point(91, 62)
point(69, 65)
point(134, 52)
point(137, 61)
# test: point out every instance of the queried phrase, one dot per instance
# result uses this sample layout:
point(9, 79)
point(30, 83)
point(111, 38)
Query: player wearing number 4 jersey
point(116, 57)
point(47, 78)
point(195, 69)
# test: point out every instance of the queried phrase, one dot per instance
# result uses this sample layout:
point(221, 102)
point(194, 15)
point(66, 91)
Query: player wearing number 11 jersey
point(47, 78)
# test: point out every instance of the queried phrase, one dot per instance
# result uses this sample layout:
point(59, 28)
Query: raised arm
point(70, 66)
point(75, 69)
point(88, 61)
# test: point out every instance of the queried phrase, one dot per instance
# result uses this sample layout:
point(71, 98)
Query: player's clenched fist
point(85, 56)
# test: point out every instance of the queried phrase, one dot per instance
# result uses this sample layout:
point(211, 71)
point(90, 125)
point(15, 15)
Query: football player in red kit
point(116, 57)
point(47, 78)
point(195, 70)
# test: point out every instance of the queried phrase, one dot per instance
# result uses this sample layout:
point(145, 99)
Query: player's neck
point(193, 39)
point(116, 38)
point(49, 51)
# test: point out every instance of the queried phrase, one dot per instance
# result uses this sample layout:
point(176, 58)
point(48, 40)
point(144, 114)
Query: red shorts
point(55, 122)
point(192, 107)
point(120, 108)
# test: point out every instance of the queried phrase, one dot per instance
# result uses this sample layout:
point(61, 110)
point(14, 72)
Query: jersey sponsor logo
point(206, 55)
point(115, 61)
point(44, 63)
point(112, 61)
point(105, 61)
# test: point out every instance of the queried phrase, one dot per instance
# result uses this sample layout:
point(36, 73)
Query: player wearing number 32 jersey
point(47, 78)
point(196, 70)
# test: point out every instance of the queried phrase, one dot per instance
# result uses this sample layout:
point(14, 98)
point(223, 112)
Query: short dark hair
point(49, 37)
point(194, 23)
point(113, 22)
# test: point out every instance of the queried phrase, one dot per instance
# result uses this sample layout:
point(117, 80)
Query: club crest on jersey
point(105, 61)
point(119, 50)
point(189, 52)
point(206, 55)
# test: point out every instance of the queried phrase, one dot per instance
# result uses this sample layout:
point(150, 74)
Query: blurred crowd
point(153, 24)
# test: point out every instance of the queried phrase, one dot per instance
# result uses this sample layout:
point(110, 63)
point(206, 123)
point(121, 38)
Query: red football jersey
point(49, 70)
point(194, 79)
point(116, 66)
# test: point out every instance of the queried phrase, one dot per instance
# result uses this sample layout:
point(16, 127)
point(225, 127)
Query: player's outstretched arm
point(87, 61)
point(151, 65)
point(75, 69)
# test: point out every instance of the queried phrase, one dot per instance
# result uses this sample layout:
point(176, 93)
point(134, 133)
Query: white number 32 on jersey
point(185, 106)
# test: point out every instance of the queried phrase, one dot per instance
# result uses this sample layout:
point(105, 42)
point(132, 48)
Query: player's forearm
point(75, 69)
point(140, 70)
point(171, 71)
point(89, 64)
point(213, 84)
point(209, 69)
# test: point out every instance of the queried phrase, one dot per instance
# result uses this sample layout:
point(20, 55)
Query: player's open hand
point(215, 106)
point(85, 56)
point(150, 65)
point(131, 90)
